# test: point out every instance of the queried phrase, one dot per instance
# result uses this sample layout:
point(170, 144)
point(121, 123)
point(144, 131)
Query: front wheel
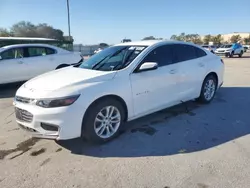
point(103, 121)
point(241, 53)
point(208, 89)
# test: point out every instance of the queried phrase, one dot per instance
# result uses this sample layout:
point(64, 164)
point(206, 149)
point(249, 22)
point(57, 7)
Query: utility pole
point(68, 18)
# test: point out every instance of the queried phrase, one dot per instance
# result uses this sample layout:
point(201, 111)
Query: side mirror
point(147, 66)
point(1, 58)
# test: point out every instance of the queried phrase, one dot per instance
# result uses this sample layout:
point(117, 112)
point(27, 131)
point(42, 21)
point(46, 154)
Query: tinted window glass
point(162, 55)
point(14, 53)
point(200, 52)
point(183, 52)
point(36, 51)
point(50, 51)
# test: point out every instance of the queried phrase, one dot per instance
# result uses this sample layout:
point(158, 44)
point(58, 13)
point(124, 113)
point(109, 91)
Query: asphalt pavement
point(188, 146)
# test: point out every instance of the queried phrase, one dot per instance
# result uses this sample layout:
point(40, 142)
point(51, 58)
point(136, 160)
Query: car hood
point(223, 49)
point(68, 76)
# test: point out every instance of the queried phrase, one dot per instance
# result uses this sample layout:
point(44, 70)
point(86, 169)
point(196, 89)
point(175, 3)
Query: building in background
point(227, 37)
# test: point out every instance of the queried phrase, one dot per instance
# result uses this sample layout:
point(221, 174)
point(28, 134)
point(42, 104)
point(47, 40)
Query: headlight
point(52, 103)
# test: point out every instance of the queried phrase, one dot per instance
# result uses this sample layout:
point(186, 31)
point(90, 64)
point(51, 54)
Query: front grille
point(23, 115)
point(23, 99)
point(221, 51)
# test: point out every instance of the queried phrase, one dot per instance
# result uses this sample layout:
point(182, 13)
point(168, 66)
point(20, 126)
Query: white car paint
point(143, 93)
point(228, 49)
point(25, 68)
point(209, 48)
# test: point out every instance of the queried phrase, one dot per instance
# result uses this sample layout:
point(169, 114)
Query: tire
point(61, 66)
point(90, 125)
point(241, 53)
point(231, 54)
point(203, 98)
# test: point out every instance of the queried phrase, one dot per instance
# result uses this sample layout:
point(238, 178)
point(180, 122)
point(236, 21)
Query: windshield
point(226, 46)
point(113, 58)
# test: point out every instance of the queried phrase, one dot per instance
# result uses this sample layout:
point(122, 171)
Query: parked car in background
point(118, 84)
point(246, 47)
point(98, 50)
point(209, 48)
point(228, 50)
point(24, 61)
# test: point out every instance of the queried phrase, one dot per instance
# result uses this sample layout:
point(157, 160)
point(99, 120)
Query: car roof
point(152, 42)
point(28, 45)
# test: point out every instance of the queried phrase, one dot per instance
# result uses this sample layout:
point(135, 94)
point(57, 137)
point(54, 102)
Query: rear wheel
point(103, 121)
point(208, 89)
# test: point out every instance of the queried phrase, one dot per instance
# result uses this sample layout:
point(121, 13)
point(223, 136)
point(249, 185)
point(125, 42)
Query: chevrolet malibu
point(116, 85)
point(21, 62)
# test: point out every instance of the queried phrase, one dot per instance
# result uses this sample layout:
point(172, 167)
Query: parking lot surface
point(189, 146)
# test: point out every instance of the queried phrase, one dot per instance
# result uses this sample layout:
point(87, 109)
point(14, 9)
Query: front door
point(155, 89)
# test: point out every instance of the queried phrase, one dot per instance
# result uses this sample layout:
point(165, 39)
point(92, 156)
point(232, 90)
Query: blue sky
point(112, 20)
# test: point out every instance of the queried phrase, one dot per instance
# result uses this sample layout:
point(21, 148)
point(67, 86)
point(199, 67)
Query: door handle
point(173, 71)
point(201, 64)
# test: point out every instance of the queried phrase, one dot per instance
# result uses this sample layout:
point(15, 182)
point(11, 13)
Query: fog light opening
point(49, 127)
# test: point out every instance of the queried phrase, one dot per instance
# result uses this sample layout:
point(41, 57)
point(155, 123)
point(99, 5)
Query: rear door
point(12, 66)
point(192, 69)
point(41, 59)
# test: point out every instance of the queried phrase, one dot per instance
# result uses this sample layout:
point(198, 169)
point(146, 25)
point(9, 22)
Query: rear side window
point(200, 52)
point(162, 55)
point(183, 52)
point(50, 51)
point(14, 53)
point(40, 51)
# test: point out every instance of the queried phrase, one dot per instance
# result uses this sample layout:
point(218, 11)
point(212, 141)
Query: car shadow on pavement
point(172, 132)
point(9, 90)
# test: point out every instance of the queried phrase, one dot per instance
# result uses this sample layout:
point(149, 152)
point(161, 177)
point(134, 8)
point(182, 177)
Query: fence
point(85, 50)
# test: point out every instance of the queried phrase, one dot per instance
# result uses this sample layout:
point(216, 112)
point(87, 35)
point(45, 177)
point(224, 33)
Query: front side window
point(162, 55)
point(50, 51)
point(113, 58)
point(14, 53)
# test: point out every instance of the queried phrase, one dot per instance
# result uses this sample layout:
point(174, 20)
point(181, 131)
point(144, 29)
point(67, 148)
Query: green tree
point(217, 39)
point(27, 29)
point(173, 37)
point(5, 33)
point(207, 39)
point(149, 38)
point(235, 38)
point(247, 40)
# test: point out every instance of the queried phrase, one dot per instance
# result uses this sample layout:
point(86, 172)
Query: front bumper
point(63, 122)
point(221, 53)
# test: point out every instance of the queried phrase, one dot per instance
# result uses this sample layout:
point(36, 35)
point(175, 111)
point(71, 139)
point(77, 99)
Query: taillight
point(222, 61)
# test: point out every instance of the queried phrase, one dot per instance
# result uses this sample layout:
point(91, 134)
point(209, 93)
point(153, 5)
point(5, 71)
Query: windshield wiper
point(98, 63)
point(124, 61)
point(108, 57)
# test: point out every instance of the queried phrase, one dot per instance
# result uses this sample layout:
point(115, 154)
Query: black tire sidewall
point(202, 96)
point(88, 131)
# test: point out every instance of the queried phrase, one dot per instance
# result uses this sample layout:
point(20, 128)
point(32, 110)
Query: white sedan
point(24, 61)
point(118, 84)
